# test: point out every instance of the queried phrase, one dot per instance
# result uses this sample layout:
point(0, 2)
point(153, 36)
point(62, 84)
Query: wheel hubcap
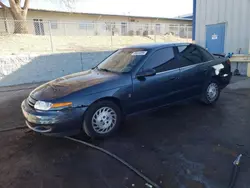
point(104, 120)
point(212, 91)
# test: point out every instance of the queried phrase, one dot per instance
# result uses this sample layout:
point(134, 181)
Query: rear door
point(194, 64)
point(160, 89)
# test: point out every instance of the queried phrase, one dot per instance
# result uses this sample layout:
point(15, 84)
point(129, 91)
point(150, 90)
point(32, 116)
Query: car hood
point(69, 84)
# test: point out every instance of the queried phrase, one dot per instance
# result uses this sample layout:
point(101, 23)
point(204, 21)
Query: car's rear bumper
point(54, 123)
point(225, 79)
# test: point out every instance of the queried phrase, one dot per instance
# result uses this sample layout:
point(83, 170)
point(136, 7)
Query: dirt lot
point(16, 44)
point(185, 146)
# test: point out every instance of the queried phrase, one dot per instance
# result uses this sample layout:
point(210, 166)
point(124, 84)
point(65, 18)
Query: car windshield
point(122, 61)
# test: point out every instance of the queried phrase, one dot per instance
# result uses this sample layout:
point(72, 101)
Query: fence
point(52, 36)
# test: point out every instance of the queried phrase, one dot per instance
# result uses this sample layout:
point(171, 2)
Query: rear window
point(206, 56)
point(192, 54)
point(123, 61)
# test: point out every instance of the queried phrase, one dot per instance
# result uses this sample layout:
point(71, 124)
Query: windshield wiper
point(106, 70)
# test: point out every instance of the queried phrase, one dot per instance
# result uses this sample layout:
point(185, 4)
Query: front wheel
point(211, 93)
point(102, 119)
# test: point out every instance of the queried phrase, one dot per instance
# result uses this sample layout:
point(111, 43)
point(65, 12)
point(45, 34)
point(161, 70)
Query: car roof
point(153, 46)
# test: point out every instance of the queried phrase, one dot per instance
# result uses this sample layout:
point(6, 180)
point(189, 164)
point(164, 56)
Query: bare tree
point(19, 13)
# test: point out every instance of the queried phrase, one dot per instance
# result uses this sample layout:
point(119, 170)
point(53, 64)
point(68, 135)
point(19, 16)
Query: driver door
point(160, 89)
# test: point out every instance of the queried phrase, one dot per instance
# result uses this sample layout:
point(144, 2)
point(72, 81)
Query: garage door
point(215, 38)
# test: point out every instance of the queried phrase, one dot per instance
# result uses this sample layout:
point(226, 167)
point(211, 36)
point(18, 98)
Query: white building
point(80, 23)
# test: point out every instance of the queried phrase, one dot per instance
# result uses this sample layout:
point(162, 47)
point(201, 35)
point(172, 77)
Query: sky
point(154, 8)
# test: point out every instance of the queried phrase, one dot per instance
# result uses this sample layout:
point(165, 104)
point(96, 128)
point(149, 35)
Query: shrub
point(145, 33)
point(131, 33)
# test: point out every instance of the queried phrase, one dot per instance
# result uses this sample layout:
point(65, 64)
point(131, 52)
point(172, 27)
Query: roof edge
point(181, 19)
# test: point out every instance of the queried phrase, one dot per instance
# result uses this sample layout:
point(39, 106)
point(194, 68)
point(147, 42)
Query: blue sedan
point(131, 80)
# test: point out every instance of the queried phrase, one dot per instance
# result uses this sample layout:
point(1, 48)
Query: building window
point(83, 25)
point(157, 28)
point(53, 24)
point(124, 28)
point(173, 29)
point(86, 25)
point(109, 26)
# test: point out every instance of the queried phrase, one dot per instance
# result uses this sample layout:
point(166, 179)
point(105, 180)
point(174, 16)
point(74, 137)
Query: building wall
point(69, 23)
point(234, 13)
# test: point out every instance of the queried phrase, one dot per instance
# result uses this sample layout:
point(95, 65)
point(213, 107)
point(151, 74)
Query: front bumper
point(54, 123)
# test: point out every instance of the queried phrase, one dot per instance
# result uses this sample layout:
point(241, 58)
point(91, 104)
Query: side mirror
point(146, 73)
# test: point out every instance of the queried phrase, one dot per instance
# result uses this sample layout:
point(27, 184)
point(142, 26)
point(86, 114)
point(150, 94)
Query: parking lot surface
point(185, 146)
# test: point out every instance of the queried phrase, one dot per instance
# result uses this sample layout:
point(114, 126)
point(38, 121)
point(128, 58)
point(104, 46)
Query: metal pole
point(96, 32)
point(111, 36)
point(64, 26)
point(237, 71)
point(179, 30)
point(154, 32)
point(50, 34)
point(86, 28)
point(7, 26)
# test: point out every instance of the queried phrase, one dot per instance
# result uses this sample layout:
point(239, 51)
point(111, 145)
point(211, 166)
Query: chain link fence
point(52, 36)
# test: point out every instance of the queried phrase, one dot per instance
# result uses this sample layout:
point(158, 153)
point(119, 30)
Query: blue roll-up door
point(215, 38)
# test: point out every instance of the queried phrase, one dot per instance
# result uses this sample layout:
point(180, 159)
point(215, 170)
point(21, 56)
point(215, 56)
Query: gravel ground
point(185, 146)
point(18, 44)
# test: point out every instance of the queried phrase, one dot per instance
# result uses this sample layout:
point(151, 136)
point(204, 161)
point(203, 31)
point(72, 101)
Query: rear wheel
point(211, 92)
point(102, 119)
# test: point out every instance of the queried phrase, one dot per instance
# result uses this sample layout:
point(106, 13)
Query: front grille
point(39, 128)
point(31, 101)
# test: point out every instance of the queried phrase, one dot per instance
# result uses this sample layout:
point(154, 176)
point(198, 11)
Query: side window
point(162, 60)
point(206, 56)
point(189, 55)
point(53, 24)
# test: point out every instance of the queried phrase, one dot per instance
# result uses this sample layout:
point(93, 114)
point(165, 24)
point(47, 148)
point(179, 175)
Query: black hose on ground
point(233, 177)
point(12, 129)
point(118, 159)
point(99, 149)
point(235, 172)
point(150, 182)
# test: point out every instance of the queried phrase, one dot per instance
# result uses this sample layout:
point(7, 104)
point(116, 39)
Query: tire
point(102, 119)
point(211, 93)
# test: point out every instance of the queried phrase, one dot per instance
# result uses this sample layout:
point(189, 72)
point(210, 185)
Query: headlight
point(41, 105)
